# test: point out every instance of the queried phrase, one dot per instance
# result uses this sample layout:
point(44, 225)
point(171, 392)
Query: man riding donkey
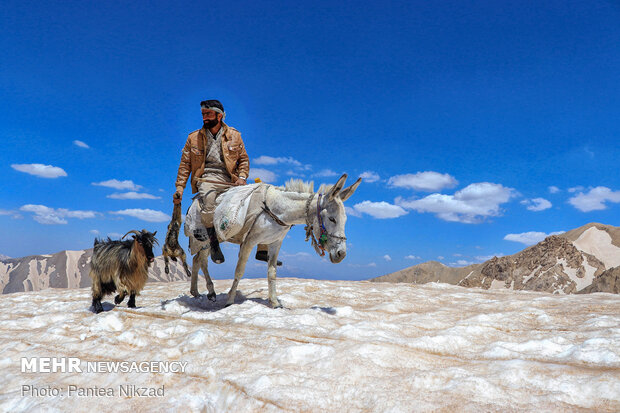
point(217, 154)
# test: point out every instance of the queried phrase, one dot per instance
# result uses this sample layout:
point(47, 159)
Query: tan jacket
point(194, 152)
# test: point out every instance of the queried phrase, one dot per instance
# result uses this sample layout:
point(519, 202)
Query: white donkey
point(281, 208)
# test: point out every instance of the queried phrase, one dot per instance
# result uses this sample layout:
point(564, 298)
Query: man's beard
point(210, 123)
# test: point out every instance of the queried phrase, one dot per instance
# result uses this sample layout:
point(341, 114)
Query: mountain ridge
point(580, 260)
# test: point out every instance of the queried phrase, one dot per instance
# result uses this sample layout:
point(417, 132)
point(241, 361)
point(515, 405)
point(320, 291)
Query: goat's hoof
point(131, 304)
point(195, 294)
point(212, 296)
point(277, 305)
point(118, 299)
point(228, 305)
point(97, 309)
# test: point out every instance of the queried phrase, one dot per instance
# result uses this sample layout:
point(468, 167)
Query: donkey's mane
point(303, 187)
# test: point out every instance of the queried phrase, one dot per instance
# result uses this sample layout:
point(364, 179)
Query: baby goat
point(171, 247)
point(121, 266)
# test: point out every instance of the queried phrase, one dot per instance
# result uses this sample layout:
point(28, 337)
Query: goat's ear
point(154, 233)
point(346, 193)
point(336, 188)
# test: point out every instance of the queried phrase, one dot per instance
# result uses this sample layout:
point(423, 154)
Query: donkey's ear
point(346, 193)
point(336, 188)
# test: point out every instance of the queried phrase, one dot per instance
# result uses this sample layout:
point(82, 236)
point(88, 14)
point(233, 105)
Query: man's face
point(210, 118)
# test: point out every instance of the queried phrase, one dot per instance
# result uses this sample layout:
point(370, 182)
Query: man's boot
point(216, 253)
point(264, 256)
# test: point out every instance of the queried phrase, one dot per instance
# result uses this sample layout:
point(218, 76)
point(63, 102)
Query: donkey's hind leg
point(271, 274)
point(205, 262)
point(196, 264)
point(244, 254)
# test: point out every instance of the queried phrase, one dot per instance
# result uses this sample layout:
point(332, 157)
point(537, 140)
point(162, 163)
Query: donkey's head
point(330, 218)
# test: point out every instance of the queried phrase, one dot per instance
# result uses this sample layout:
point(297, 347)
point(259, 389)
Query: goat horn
point(133, 230)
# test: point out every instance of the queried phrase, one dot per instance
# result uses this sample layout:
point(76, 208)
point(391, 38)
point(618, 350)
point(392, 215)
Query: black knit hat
point(212, 103)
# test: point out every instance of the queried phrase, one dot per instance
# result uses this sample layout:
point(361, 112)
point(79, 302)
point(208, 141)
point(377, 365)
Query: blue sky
point(480, 126)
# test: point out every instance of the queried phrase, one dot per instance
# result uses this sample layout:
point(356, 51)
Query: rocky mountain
point(65, 269)
point(583, 260)
point(431, 271)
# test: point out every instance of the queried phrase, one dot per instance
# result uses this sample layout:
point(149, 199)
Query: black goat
point(171, 247)
point(121, 266)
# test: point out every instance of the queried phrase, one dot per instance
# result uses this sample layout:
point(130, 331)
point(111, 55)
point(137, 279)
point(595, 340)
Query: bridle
point(323, 237)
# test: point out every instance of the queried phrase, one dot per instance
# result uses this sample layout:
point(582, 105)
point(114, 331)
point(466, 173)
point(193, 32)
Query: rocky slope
point(583, 260)
point(65, 269)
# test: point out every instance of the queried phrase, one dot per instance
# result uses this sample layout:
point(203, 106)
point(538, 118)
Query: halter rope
point(320, 244)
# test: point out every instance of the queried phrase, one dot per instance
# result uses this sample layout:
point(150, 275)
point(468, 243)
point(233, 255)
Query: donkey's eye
point(332, 220)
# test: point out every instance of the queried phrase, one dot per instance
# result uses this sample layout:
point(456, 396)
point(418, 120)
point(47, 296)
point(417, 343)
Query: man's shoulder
point(232, 131)
point(193, 136)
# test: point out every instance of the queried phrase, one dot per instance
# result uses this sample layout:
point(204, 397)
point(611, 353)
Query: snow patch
point(598, 243)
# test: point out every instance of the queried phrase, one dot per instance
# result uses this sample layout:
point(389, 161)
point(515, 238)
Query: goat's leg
point(97, 294)
point(119, 298)
point(274, 249)
point(184, 258)
point(166, 264)
point(244, 254)
point(205, 263)
point(132, 300)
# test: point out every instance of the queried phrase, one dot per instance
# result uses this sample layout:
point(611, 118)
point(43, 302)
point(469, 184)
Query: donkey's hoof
point(195, 294)
point(212, 297)
point(228, 305)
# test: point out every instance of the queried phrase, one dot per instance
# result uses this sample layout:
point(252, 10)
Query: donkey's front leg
point(274, 249)
point(244, 254)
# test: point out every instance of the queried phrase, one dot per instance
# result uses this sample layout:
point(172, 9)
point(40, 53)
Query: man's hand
point(240, 181)
point(176, 198)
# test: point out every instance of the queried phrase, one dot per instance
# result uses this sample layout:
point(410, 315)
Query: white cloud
point(412, 257)
point(576, 189)
point(94, 232)
point(423, 181)
point(594, 200)
point(295, 255)
point(119, 185)
point(148, 215)
point(483, 258)
point(461, 263)
point(536, 204)
point(470, 205)
point(352, 212)
point(370, 176)
point(13, 214)
point(132, 195)
point(441, 257)
point(529, 238)
point(553, 189)
point(381, 210)
point(52, 216)
point(270, 160)
point(114, 235)
point(387, 258)
point(81, 144)
point(263, 174)
point(40, 170)
point(326, 173)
